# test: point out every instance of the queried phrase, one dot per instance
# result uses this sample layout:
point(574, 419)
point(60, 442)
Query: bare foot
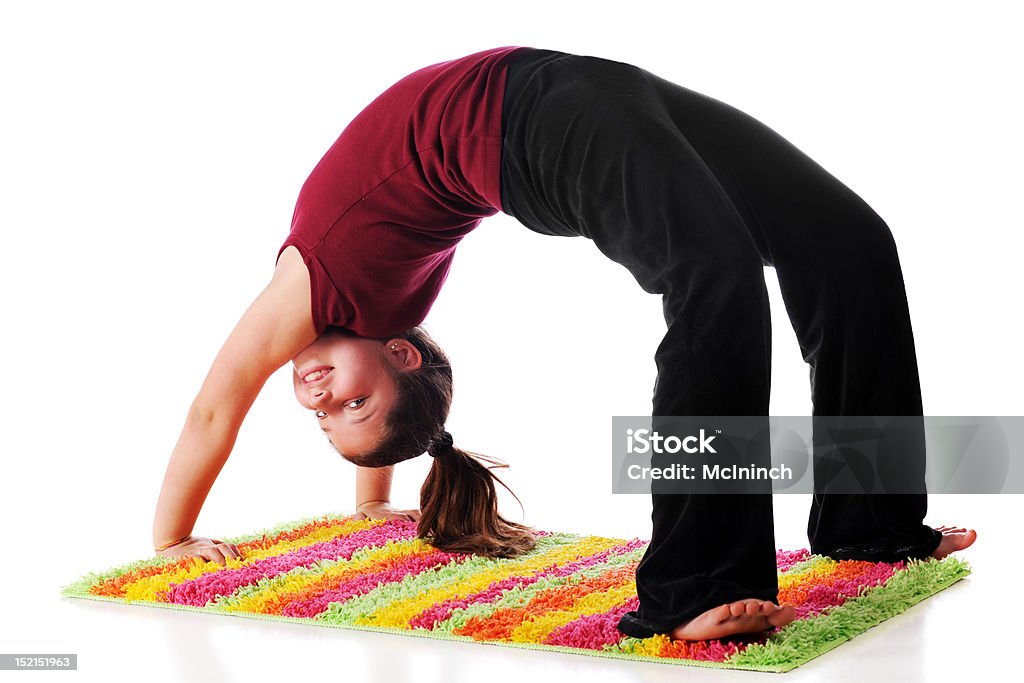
point(743, 616)
point(954, 538)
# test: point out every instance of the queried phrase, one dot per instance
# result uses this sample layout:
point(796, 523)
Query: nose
point(318, 397)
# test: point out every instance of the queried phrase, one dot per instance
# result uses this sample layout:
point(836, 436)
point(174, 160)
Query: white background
point(150, 156)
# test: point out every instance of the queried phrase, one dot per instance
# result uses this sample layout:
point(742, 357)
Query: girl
point(692, 196)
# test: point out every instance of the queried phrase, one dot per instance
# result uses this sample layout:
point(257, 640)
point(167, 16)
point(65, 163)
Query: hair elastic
point(441, 444)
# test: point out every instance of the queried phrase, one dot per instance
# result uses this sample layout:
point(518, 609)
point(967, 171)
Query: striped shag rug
point(565, 595)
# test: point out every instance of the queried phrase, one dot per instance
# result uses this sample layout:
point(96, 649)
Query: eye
point(353, 405)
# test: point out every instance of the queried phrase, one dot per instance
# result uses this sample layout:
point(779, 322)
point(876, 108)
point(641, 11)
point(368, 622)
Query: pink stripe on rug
point(204, 589)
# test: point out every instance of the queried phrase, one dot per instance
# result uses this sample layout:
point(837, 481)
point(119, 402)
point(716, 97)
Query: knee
point(864, 240)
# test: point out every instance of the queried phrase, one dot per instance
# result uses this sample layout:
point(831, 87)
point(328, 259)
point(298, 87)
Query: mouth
point(315, 374)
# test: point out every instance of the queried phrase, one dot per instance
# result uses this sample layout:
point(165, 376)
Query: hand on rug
point(209, 549)
point(382, 509)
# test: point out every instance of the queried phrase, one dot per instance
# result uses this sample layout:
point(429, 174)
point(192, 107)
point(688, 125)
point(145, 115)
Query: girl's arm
point(373, 495)
point(274, 329)
point(373, 485)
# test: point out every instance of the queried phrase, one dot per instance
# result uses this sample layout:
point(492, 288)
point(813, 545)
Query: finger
point(214, 555)
point(227, 550)
point(193, 555)
point(414, 515)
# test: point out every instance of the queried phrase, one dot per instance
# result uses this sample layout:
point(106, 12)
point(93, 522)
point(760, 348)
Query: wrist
point(171, 544)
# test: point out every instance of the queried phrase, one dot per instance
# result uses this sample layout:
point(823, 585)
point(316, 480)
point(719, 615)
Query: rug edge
point(430, 635)
point(947, 571)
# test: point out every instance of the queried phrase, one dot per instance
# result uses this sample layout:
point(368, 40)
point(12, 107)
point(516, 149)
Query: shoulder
point(291, 282)
point(290, 261)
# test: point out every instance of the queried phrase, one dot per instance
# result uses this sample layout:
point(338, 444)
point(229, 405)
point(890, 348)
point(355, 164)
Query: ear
point(403, 354)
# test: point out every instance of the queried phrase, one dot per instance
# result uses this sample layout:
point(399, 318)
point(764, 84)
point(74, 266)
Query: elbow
point(224, 414)
point(212, 423)
point(203, 414)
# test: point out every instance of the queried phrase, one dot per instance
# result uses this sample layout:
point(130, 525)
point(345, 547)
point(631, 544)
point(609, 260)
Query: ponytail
point(459, 506)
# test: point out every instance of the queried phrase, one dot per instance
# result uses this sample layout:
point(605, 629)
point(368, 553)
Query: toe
point(782, 616)
point(720, 613)
point(738, 608)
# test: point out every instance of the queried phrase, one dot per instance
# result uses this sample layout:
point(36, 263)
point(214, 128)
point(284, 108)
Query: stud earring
point(394, 347)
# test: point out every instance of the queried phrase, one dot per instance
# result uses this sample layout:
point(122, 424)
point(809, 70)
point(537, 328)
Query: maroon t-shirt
point(378, 219)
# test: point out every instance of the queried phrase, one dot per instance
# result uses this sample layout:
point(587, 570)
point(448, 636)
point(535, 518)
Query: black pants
point(694, 198)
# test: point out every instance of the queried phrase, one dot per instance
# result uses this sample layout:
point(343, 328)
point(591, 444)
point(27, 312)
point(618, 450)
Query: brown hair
point(458, 500)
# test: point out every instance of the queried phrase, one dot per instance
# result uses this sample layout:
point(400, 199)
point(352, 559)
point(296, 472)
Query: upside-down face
point(349, 384)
